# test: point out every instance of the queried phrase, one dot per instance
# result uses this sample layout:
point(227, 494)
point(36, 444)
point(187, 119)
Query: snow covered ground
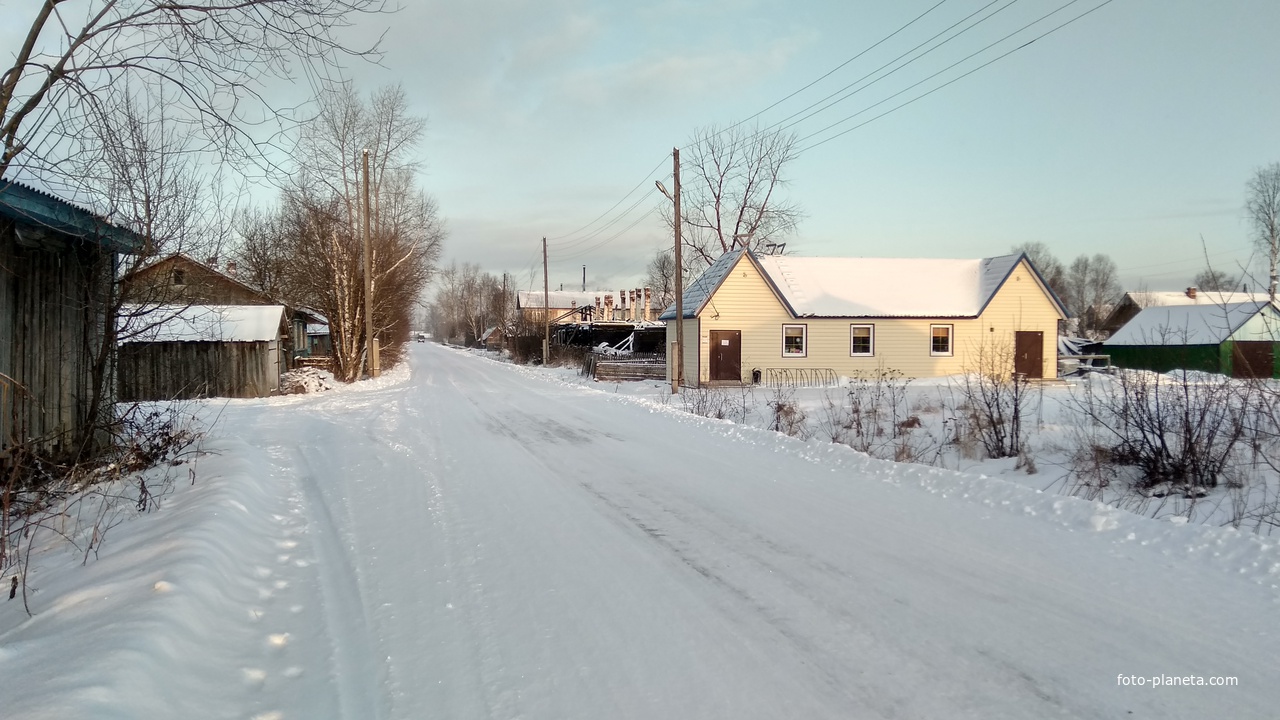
point(468, 539)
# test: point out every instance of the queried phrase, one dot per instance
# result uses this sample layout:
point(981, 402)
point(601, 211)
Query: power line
point(648, 176)
point(906, 64)
point(600, 230)
point(611, 238)
point(949, 82)
point(830, 72)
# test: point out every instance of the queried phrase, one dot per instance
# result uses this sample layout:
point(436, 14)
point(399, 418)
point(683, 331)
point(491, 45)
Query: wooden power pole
point(679, 366)
point(546, 308)
point(371, 345)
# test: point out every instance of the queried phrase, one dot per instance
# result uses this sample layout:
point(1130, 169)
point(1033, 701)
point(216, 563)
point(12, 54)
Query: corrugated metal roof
point(201, 323)
point(1166, 325)
point(38, 208)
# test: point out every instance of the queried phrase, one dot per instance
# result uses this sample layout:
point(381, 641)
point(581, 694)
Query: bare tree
point(731, 181)
point(208, 60)
point(1262, 208)
point(1091, 286)
point(319, 257)
point(1050, 267)
point(660, 277)
point(1213, 280)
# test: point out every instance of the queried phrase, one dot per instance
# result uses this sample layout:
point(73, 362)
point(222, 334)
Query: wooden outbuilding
point(199, 351)
point(1240, 339)
point(56, 263)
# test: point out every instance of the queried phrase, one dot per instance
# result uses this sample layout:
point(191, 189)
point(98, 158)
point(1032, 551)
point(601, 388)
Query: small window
point(179, 277)
point(940, 340)
point(862, 340)
point(794, 340)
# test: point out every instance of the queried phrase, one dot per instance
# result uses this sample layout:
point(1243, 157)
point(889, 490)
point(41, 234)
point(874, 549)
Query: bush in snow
point(1185, 430)
point(994, 402)
point(788, 418)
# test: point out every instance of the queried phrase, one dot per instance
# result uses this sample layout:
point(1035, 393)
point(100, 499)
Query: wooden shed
point(200, 351)
point(56, 262)
point(780, 319)
point(1240, 339)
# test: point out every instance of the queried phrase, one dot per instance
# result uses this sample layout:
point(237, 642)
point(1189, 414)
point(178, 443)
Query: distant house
point(199, 351)
point(786, 319)
point(179, 279)
point(568, 307)
point(1239, 339)
point(56, 263)
point(1134, 302)
point(494, 338)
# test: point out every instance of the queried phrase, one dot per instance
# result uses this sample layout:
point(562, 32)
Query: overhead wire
point(949, 82)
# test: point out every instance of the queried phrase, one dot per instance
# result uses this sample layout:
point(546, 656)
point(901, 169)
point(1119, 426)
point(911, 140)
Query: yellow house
point(807, 320)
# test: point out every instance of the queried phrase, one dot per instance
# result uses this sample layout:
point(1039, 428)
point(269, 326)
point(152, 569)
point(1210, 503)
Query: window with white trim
point(862, 340)
point(795, 340)
point(940, 341)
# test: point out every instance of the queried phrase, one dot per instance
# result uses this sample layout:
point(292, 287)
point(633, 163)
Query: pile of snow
point(306, 380)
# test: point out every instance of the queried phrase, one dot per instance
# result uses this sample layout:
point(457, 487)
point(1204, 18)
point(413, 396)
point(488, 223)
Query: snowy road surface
point(481, 542)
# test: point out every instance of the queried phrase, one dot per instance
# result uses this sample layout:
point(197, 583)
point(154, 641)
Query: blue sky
point(1131, 132)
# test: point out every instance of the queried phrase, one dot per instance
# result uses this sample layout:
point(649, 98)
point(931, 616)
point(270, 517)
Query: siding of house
point(746, 302)
point(50, 324)
point(1022, 303)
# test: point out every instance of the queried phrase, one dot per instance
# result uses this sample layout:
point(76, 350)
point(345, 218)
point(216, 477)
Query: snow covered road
point(484, 542)
point(515, 547)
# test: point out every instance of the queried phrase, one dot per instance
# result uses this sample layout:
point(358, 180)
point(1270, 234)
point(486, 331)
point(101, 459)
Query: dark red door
point(726, 355)
point(1028, 354)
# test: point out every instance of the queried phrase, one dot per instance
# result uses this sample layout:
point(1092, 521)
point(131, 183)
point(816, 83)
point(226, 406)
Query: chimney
point(631, 312)
point(213, 262)
point(231, 269)
point(1191, 292)
point(599, 315)
point(646, 305)
point(608, 307)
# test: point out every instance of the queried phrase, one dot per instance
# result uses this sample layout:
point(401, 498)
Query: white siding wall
point(1263, 326)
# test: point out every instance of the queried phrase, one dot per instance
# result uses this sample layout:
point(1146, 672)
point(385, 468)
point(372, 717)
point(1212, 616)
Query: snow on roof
point(1203, 297)
point(564, 298)
point(202, 323)
point(697, 293)
point(1185, 324)
point(886, 287)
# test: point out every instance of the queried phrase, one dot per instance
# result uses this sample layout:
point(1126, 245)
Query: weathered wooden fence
point(186, 370)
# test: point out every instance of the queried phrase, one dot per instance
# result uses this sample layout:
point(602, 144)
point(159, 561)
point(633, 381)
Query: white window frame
point(804, 341)
point(872, 328)
point(951, 340)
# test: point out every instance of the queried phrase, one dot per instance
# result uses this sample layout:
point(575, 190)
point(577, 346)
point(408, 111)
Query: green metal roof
point(32, 207)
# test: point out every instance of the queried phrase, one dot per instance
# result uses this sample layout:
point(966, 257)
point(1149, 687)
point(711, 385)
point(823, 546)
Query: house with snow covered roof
point(784, 319)
point(572, 306)
point(1135, 302)
point(1240, 339)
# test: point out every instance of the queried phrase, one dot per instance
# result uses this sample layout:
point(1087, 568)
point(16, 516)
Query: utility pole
point(371, 345)
point(584, 278)
point(546, 308)
point(679, 367)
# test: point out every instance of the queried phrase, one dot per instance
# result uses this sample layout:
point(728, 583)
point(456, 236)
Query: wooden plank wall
point(187, 370)
point(49, 324)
